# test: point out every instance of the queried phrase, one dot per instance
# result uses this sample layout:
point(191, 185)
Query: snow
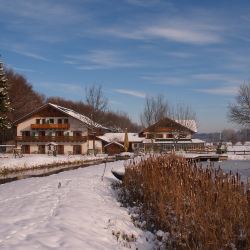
point(130, 154)
point(114, 142)
point(175, 142)
point(190, 124)
point(70, 210)
point(8, 161)
point(78, 116)
point(238, 157)
point(238, 148)
point(119, 137)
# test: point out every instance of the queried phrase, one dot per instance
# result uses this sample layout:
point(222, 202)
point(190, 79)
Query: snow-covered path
point(70, 210)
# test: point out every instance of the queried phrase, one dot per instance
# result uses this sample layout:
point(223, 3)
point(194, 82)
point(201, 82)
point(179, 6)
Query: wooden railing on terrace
point(50, 126)
point(51, 138)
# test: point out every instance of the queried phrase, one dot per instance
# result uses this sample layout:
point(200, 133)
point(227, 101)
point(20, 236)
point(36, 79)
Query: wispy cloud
point(217, 78)
point(62, 87)
point(143, 3)
point(219, 91)
point(182, 55)
point(46, 21)
point(42, 11)
point(166, 80)
point(131, 92)
point(101, 59)
point(30, 54)
point(184, 34)
point(191, 31)
point(23, 69)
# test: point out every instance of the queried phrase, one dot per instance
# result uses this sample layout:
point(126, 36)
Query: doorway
point(60, 149)
point(77, 149)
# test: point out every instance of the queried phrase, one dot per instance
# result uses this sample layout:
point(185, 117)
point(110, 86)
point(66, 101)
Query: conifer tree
point(5, 107)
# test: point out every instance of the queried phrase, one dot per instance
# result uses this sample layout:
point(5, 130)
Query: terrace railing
point(51, 138)
point(50, 126)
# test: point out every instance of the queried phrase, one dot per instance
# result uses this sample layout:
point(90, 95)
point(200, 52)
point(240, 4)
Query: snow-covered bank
point(70, 210)
point(39, 160)
point(238, 157)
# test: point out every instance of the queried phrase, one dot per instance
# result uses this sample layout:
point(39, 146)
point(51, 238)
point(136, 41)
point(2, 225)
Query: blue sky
point(193, 52)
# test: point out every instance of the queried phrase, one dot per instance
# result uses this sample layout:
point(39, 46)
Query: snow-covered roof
point(78, 116)
point(51, 143)
point(119, 137)
point(146, 141)
point(114, 142)
point(190, 124)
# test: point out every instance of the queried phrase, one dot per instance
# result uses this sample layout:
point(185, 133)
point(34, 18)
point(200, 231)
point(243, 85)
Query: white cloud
point(192, 31)
point(24, 69)
point(131, 92)
point(217, 78)
point(44, 11)
point(101, 59)
point(184, 34)
point(30, 54)
point(219, 91)
point(144, 3)
point(181, 55)
point(166, 80)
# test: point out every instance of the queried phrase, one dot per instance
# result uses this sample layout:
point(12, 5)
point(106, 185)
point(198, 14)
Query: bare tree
point(185, 115)
point(239, 112)
point(98, 104)
point(155, 109)
point(96, 100)
point(229, 135)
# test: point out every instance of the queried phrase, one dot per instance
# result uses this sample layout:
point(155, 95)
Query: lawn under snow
point(9, 161)
point(70, 210)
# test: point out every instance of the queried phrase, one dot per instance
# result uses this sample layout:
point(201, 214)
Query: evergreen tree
point(5, 107)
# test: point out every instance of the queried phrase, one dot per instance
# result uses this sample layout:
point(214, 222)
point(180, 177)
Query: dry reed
point(200, 208)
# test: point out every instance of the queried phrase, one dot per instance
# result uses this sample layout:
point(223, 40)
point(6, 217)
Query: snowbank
point(39, 160)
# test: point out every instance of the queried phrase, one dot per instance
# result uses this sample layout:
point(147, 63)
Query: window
point(26, 133)
point(59, 133)
point(37, 121)
point(77, 133)
point(66, 121)
point(41, 133)
point(43, 121)
point(159, 135)
point(59, 121)
point(33, 134)
point(51, 121)
point(150, 136)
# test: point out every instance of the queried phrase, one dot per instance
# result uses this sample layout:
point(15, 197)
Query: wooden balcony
point(51, 139)
point(50, 126)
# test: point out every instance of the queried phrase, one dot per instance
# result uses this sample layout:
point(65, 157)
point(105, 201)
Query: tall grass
point(200, 208)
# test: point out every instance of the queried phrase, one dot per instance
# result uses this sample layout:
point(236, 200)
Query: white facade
point(71, 135)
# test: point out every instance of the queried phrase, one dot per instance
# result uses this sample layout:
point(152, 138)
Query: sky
point(193, 52)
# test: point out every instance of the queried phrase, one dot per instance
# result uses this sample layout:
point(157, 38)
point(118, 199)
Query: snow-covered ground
point(245, 147)
point(70, 210)
point(238, 157)
point(9, 161)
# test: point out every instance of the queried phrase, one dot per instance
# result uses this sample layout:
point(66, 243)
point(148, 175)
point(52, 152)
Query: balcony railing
point(50, 126)
point(51, 138)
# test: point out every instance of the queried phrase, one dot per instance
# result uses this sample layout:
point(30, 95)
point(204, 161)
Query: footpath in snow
point(70, 210)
